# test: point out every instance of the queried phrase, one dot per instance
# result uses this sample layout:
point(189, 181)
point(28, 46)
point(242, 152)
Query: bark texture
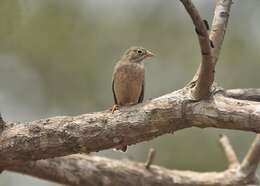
point(252, 94)
point(81, 170)
point(196, 105)
point(65, 135)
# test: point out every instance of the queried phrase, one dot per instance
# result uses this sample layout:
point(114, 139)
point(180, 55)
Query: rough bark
point(81, 170)
point(65, 135)
point(252, 94)
point(20, 143)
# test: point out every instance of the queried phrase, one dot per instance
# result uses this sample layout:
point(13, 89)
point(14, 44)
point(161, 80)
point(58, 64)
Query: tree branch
point(252, 158)
point(81, 170)
point(65, 135)
point(219, 25)
point(252, 94)
point(229, 152)
point(205, 75)
point(150, 158)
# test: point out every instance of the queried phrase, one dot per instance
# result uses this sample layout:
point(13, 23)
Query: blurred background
point(57, 58)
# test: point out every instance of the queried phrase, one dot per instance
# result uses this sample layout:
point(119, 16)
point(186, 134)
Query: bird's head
point(137, 54)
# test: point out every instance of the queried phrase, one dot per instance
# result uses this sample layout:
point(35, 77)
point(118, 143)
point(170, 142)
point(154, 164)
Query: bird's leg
point(114, 108)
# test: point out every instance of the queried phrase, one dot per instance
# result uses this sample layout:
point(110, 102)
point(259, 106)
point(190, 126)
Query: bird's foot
point(123, 148)
point(114, 108)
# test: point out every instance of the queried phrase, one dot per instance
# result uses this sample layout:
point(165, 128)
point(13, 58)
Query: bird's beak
point(149, 54)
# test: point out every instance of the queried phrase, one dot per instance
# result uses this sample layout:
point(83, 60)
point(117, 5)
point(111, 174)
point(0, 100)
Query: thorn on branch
point(228, 151)
point(150, 158)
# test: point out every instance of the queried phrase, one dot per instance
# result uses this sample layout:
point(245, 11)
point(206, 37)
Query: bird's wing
point(113, 90)
point(140, 100)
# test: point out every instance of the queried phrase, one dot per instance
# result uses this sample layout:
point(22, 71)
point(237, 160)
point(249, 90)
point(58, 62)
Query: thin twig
point(251, 160)
point(228, 151)
point(219, 25)
point(150, 158)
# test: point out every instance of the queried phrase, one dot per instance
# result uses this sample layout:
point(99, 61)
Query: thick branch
point(252, 158)
point(65, 135)
point(88, 170)
point(205, 75)
point(79, 170)
point(229, 152)
point(252, 94)
point(59, 136)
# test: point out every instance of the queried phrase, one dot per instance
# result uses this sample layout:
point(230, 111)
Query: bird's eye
point(139, 51)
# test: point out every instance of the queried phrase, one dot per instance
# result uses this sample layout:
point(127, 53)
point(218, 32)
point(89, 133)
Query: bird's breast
point(128, 81)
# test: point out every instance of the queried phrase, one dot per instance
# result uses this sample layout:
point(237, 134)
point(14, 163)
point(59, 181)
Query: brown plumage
point(128, 78)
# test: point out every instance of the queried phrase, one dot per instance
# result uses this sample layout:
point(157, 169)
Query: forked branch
point(20, 143)
point(210, 45)
point(205, 75)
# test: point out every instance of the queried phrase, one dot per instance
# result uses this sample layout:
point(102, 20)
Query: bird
point(128, 79)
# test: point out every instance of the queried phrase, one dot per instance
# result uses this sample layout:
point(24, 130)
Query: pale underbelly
point(128, 89)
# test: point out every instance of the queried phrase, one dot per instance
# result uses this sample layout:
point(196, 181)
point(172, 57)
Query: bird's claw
point(114, 108)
